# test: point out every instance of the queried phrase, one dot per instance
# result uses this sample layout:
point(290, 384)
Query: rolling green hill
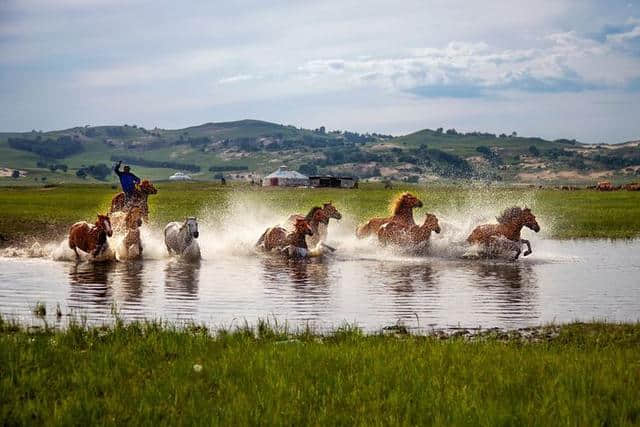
point(245, 148)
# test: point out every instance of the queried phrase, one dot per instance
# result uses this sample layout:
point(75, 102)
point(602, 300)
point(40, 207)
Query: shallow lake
point(561, 281)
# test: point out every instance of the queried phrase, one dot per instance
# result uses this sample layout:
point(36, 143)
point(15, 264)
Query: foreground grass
point(34, 212)
point(588, 374)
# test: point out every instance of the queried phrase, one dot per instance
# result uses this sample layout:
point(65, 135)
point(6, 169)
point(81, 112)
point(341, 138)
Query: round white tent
point(284, 177)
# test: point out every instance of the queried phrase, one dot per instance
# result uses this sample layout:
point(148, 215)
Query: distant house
point(179, 176)
point(333, 181)
point(284, 177)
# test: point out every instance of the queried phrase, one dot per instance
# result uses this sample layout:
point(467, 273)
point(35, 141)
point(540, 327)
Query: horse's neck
point(404, 214)
point(185, 235)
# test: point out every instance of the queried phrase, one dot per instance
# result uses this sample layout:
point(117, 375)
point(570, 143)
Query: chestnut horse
point(492, 236)
point(90, 238)
point(402, 214)
point(412, 237)
point(320, 228)
point(278, 238)
point(139, 199)
point(131, 246)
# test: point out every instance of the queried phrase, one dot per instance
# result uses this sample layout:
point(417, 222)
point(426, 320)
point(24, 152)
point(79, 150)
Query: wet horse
point(182, 238)
point(139, 199)
point(402, 214)
point(292, 244)
point(506, 234)
point(320, 228)
point(415, 237)
point(90, 238)
point(131, 246)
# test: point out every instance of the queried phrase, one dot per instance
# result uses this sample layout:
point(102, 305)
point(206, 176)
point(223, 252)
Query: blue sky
point(557, 69)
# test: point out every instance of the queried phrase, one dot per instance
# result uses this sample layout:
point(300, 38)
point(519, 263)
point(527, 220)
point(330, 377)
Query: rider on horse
point(128, 181)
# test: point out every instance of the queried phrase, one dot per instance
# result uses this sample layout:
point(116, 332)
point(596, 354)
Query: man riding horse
point(128, 181)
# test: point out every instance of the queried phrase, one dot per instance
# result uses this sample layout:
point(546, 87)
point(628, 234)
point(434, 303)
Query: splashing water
point(233, 229)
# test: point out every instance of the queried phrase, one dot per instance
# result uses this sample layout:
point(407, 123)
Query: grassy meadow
point(577, 374)
point(39, 212)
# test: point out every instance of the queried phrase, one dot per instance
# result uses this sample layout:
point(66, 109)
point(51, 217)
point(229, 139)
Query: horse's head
point(331, 210)
point(320, 216)
point(431, 222)
point(104, 223)
point(529, 220)
point(134, 218)
point(302, 226)
point(147, 187)
point(192, 225)
point(406, 201)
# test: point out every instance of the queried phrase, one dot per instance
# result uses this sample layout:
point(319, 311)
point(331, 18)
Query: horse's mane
point(312, 212)
point(509, 214)
point(395, 204)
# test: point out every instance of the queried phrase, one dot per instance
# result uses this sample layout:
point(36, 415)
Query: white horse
point(181, 238)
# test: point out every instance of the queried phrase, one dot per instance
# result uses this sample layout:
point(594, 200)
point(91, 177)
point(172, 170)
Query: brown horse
point(396, 234)
point(402, 214)
point(278, 238)
point(492, 236)
point(90, 238)
point(139, 199)
point(320, 228)
point(131, 247)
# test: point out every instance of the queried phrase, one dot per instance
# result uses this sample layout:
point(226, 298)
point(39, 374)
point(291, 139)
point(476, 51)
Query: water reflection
point(90, 288)
point(510, 288)
point(182, 279)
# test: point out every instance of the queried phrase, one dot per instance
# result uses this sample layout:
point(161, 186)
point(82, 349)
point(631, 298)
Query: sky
point(556, 69)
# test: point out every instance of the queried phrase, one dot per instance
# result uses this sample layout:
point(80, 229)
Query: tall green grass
point(153, 374)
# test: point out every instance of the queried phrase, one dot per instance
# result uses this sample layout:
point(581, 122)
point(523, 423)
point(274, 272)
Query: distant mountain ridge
point(253, 147)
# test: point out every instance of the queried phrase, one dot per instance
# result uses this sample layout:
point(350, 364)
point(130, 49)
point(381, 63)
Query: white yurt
point(284, 177)
point(179, 176)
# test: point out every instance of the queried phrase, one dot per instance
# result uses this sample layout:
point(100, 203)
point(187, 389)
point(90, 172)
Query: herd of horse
point(301, 236)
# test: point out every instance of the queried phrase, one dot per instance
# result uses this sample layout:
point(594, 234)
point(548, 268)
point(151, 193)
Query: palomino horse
point(506, 234)
point(139, 199)
point(413, 237)
point(131, 246)
point(402, 214)
point(320, 229)
point(291, 244)
point(181, 238)
point(90, 238)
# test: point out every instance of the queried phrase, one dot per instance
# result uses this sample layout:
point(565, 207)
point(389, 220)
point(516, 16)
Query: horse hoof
point(526, 253)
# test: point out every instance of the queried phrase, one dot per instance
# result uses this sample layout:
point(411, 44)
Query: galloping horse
point(131, 246)
point(90, 238)
point(402, 214)
point(320, 228)
point(412, 237)
point(181, 238)
point(140, 196)
point(293, 243)
point(492, 236)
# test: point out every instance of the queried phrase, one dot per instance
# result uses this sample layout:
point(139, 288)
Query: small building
point(179, 176)
point(334, 181)
point(284, 177)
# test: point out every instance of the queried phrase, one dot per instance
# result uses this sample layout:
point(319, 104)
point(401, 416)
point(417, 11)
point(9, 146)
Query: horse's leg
point(526, 242)
point(518, 249)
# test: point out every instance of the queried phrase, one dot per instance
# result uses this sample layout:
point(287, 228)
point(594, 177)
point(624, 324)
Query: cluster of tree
point(350, 154)
point(99, 171)
point(197, 142)
point(489, 154)
point(308, 169)
point(52, 166)
point(48, 148)
point(446, 164)
point(613, 161)
point(157, 164)
point(228, 168)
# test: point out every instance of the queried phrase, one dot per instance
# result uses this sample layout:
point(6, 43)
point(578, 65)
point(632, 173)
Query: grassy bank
point(579, 374)
point(37, 212)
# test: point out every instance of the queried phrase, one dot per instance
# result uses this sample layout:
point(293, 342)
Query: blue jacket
point(128, 180)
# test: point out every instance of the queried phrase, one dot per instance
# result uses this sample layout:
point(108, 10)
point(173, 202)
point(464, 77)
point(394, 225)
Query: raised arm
point(116, 169)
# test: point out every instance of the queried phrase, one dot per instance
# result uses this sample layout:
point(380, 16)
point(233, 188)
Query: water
point(561, 281)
